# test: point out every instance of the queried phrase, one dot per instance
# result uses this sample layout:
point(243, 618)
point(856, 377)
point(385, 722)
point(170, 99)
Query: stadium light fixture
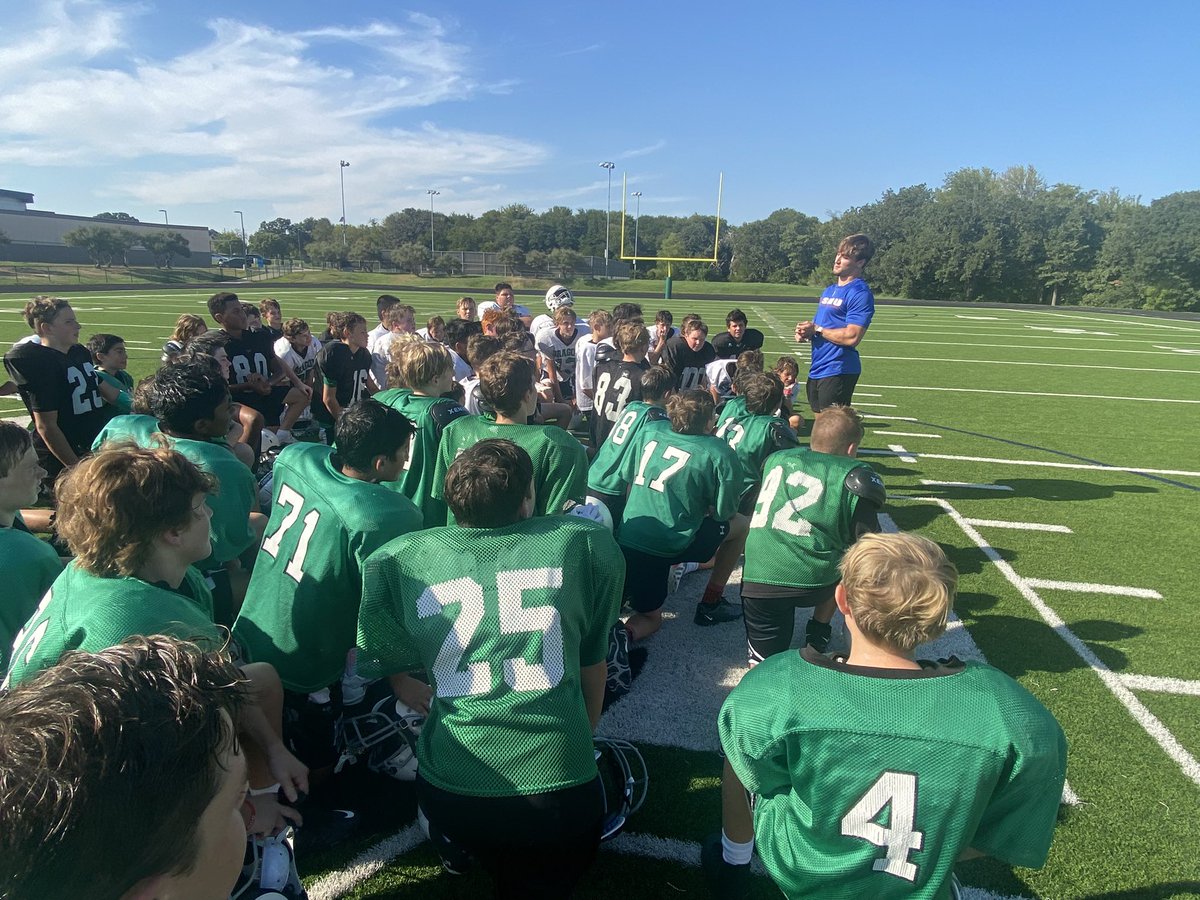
point(432, 193)
point(165, 220)
point(342, 165)
point(607, 214)
point(636, 216)
point(242, 219)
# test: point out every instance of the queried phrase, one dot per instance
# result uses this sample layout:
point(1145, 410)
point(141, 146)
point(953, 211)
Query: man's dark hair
point(368, 429)
point(627, 311)
point(509, 323)
point(186, 393)
point(858, 247)
point(204, 344)
point(665, 316)
point(385, 302)
point(459, 331)
point(519, 341)
point(43, 310)
point(15, 442)
point(479, 347)
point(294, 327)
point(487, 483)
point(218, 301)
point(763, 392)
point(107, 764)
point(251, 311)
point(102, 343)
point(657, 382)
point(504, 381)
point(502, 286)
point(690, 411)
point(736, 315)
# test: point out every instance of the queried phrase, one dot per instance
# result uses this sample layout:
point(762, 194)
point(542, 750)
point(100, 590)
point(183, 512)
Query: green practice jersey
point(236, 496)
point(502, 620)
point(807, 516)
point(754, 438)
point(28, 566)
point(82, 611)
point(871, 783)
point(604, 474)
point(560, 465)
point(735, 408)
point(673, 481)
point(430, 415)
point(137, 428)
point(302, 603)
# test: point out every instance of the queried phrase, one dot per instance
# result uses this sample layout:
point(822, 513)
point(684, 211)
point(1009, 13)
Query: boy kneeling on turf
point(871, 774)
point(507, 767)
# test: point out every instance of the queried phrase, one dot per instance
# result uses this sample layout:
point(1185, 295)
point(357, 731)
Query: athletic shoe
point(324, 827)
point(718, 613)
point(725, 880)
point(817, 634)
point(677, 572)
point(269, 870)
point(619, 678)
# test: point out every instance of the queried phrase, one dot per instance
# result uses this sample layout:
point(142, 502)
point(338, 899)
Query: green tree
point(537, 263)
point(565, 262)
point(512, 258)
point(116, 217)
point(104, 245)
point(165, 246)
point(411, 257)
point(226, 243)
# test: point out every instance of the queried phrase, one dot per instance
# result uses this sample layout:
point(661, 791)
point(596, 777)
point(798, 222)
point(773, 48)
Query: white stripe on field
point(878, 405)
point(1019, 526)
point(967, 484)
point(1040, 365)
point(863, 394)
point(892, 418)
point(1152, 725)
point(1161, 685)
point(1082, 587)
point(913, 387)
point(909, 434)
point(366, 864)
point(901, 453)
point(1069, 797)
point(1091, 467)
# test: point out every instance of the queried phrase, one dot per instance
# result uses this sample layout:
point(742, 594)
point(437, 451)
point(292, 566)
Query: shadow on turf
point(1151, 892)
point(1033, 646)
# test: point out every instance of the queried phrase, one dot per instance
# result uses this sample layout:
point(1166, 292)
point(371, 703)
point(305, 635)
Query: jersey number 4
point(451, 678)
point(897, 791)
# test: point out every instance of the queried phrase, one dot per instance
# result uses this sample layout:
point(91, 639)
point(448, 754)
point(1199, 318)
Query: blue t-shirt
point(839, 306)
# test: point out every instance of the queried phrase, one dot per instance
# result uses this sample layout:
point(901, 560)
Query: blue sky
point(204, 108)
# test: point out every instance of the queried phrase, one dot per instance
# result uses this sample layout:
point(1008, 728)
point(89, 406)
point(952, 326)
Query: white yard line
point(1161, 685)
point(1083, 587)
point(366, 864)
point(1036, 463)
point(892, 418)
point(901, 453)
point(875, 405)
point(955, 390)
point(967, 484)
point(1154, 727)
point(1040, 365)
point(915, 434)
point(1023, 348)
point(1019, 526)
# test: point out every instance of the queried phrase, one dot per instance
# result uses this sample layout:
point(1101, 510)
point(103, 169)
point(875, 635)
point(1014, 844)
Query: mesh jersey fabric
point(502, 620)
point(301, 607)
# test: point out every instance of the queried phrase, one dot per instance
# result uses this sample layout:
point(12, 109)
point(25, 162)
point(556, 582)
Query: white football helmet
point(383, 731)
point(559, 296)
point(625, 779)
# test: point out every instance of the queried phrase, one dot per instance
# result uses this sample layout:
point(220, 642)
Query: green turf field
point(1053, 453)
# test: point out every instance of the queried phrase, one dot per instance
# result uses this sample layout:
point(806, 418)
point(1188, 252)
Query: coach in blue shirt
point(843, 315)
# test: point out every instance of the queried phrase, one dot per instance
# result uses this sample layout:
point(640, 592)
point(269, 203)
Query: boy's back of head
point(505, 380)
point(836, 429)
point(763, 392)
point(691, 411)
point(186, 393)
point(657, 384)
point(368, 429)
point(487, 483)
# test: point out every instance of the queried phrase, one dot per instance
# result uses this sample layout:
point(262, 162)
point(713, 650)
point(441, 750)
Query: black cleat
point(718, 613)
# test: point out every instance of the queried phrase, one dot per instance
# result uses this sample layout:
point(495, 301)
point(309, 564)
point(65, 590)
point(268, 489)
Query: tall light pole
point(432, 193)
point(165, 221)
point(636, 216)
point(608, 213)
point(245, 246)
point(342, 165)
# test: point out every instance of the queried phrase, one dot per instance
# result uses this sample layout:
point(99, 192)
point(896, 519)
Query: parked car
point(233, 262)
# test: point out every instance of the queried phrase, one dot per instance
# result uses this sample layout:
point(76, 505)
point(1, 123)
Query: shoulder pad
point(445, 413)
point(783, 437)
point(863, 482)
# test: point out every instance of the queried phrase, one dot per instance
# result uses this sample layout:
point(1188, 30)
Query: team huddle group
point(433, 556)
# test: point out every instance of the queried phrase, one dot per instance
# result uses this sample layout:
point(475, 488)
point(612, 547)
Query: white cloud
point(644, 151)
point(254, 112)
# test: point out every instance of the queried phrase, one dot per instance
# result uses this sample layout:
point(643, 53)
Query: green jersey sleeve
point(28, 566)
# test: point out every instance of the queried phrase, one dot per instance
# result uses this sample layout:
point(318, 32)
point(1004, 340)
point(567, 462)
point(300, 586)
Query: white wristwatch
point(818, 329)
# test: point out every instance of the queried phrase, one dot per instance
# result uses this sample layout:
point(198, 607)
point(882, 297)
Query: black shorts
point(310, 727)
point(646, 574)
point(835, 390)
point(537, 845)
point(769, 612)
point(270, 405)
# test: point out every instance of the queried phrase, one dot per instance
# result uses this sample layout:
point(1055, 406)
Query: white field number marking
point(515, 618)
point(788, 518)
point(295, 502)
point(898, 790)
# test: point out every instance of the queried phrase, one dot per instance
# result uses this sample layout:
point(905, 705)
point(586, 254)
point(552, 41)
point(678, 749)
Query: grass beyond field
point(1052, 453)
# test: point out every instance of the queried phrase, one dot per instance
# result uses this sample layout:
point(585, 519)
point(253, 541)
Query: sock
point(712, 594)
point(690, 567)
point(734, 853)
point(818, 634)
point(282, 435)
